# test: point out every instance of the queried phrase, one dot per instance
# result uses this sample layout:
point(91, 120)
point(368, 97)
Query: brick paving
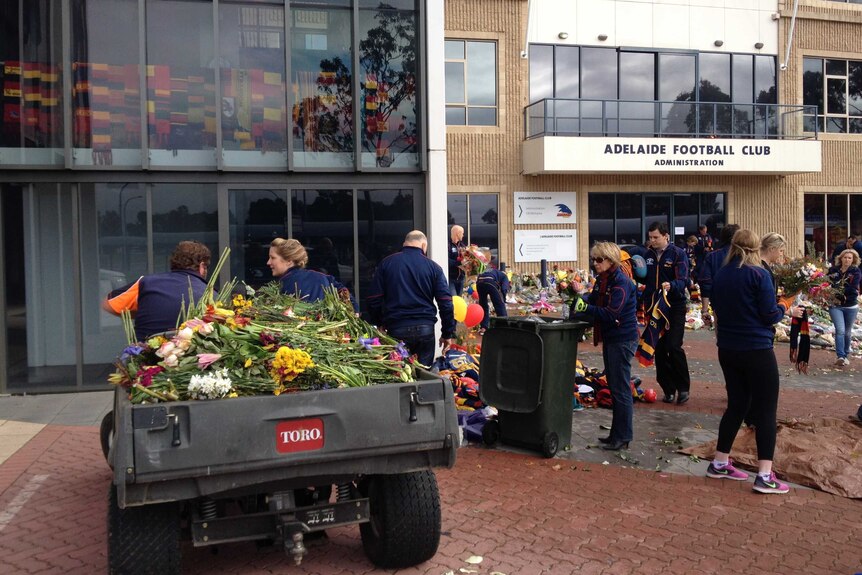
point(524, 515)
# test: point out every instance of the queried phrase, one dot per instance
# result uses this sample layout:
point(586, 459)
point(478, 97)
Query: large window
point(321, 69)
point(31, 76)
point(471, 83)
point(388, 60)
point(106, 98)
point(478, 214)
point(829, 219)
point(835, 87)
point(615, 90)
point(624, 218)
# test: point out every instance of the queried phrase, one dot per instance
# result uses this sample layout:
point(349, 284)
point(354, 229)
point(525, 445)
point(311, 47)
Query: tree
point(388, 59)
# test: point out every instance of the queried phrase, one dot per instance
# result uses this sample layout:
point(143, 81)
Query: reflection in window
point(387, 57)
point(256, 218)
point(456, 210)
point(181, 83)
point(835, 87)
point(542, 73)
point(106, 83)
point(624, 218)
point(384, 218)
point(251, 63)
point(836, 220)
point(815, 224)
point(321, 84)
point(471, 83)
point(483, 229)
point(113, 232)
point(323, 223)
point(677, 83)
point(181, 212)
point(31, 73)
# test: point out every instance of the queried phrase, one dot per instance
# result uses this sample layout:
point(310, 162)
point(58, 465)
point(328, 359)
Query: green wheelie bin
point(528, 374)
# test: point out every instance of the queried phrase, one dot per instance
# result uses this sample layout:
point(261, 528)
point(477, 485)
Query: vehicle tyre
point(404, 529)
point(143, 540)
point(106, 433)
point(491, 432)
point(550, 444)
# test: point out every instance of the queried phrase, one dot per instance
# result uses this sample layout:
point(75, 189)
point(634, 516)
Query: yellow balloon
point(460, 307)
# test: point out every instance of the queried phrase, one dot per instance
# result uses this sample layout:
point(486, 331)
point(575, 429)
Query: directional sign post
point(545, 207)
point(552, 245)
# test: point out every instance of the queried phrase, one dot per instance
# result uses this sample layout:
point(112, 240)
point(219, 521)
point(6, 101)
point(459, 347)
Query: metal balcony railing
point(666, 119)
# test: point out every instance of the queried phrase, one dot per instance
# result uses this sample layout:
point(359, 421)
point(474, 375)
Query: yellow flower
point(289, 364)
point(233, 394)
point(248, 362)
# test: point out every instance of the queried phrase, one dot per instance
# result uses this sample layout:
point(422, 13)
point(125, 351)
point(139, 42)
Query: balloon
point(475, 295)
point(649, 395)
point(475, 314)
point(460, 307)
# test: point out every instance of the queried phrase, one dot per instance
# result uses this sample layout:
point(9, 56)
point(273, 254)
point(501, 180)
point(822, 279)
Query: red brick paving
point(523, 514)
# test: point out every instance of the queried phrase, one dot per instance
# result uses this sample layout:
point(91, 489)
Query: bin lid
point(511, 369)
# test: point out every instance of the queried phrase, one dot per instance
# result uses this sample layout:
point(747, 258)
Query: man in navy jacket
point(667, 269)
point(156, 300)
point(405, 287)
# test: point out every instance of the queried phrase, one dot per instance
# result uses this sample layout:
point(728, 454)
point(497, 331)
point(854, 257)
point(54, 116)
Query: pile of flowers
point(269, 344)
point(807, 278)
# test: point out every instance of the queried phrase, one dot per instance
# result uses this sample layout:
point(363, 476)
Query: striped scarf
point(800, 343)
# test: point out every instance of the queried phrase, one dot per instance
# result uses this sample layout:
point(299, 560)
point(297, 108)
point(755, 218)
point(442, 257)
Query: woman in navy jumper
point(845, 273)
point(613, 307)
point(287, 259)
point(745, 309)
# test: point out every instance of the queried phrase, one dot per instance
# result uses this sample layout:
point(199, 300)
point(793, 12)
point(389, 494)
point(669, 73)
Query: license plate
point(299, 435)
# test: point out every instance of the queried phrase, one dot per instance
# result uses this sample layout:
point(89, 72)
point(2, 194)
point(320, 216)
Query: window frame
point(466, 106)
point(823, 115)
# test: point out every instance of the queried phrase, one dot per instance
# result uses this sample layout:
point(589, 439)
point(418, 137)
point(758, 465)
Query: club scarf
point(800, 342)
point(601, 300)
point(654, 330)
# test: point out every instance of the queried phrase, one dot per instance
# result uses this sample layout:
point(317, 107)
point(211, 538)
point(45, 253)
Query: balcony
point(602, 136)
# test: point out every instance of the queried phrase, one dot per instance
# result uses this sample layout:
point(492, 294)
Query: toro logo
point(299, 435)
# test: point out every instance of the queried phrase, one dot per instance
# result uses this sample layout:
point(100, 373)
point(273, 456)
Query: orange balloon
point(475, 314)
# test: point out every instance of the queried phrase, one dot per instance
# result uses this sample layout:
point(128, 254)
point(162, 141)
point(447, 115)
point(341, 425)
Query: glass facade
point(167, 101)
point(625, 217)
point(626, 92)
point(203, 84)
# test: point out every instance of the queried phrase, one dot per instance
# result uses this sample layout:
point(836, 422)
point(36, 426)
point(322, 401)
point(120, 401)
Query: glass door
point(256, 217)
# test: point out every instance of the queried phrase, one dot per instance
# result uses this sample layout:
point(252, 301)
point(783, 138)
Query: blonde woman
point(287, 259)
point(745, 309)
point(612, 306)
point(845, 274)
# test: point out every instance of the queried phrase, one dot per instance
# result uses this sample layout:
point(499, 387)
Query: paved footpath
point(522, 514)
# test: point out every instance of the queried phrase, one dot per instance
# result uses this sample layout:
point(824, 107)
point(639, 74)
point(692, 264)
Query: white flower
point(213, 385)
point(172, 360)
point(206, 328)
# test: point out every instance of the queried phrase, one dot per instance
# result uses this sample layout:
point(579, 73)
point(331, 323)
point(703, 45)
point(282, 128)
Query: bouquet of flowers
point(571, 284)
point(808, 278)
point(474, 260)
point(273, 343)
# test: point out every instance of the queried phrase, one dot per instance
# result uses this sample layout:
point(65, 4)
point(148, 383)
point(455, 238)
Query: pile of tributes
point(229, 346)
point(591, 389)
point(462, 369)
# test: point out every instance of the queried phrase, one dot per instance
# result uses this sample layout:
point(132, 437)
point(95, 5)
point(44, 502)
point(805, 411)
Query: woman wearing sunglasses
point(612, 307)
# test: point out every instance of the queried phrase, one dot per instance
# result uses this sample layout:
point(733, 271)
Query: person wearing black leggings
point(745, 308)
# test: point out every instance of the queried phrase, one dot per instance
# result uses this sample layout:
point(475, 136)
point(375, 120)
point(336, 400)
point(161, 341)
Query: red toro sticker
point(299, 435)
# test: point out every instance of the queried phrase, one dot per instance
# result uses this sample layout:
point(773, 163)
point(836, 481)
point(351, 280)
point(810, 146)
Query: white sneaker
point(845, 361)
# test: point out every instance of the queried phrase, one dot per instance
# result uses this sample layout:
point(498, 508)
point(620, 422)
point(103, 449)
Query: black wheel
point(491, 432)
point(405, 519)
point(550, 444)
point(143, 540)
point(106, 433)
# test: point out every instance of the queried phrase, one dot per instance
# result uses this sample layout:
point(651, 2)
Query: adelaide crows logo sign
point(563, 211)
